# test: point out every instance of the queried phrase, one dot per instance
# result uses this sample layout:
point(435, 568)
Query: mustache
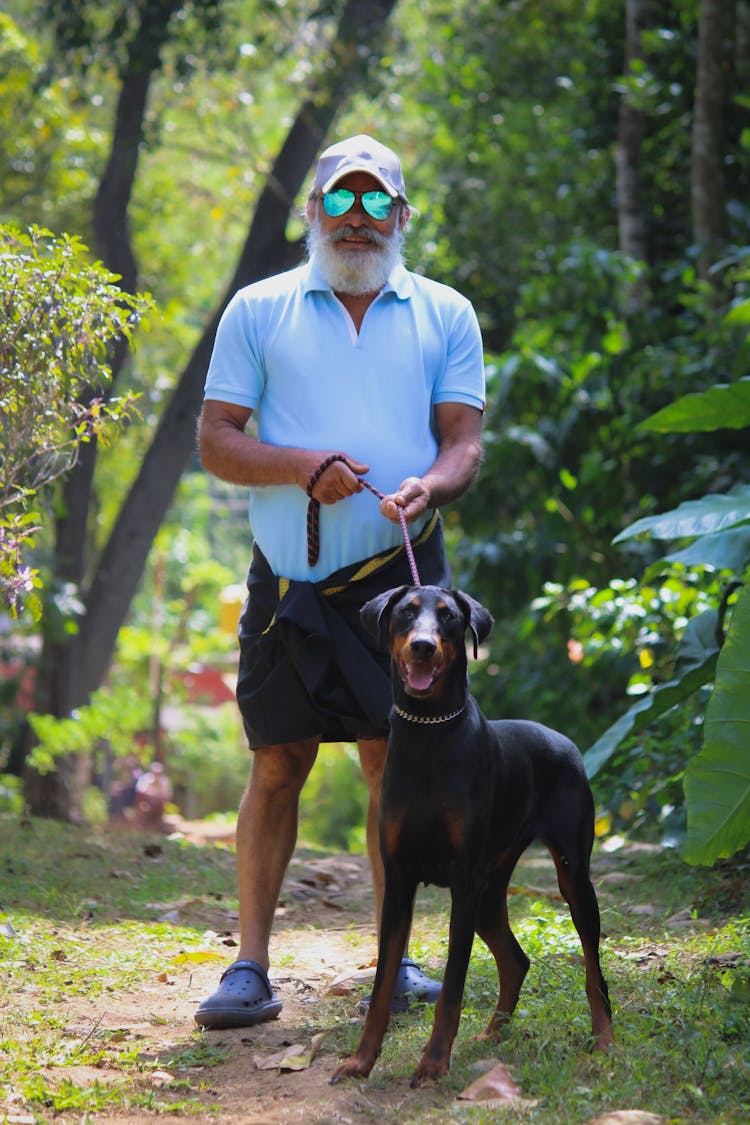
point(363, 233)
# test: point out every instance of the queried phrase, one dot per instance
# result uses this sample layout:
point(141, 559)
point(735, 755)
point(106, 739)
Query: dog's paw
point(429, 1068)
point(604, 1042)
point(354, 1067)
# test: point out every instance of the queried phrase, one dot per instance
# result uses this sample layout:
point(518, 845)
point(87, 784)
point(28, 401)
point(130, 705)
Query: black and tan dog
point(462, 798)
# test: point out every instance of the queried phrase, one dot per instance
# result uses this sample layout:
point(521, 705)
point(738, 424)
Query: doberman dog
point(462, 797)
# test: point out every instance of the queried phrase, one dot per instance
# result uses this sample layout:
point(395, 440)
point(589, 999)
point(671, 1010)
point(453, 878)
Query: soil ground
point(136, 1027)
point(323, 931)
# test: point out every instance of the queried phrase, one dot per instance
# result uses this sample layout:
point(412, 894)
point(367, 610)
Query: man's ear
point(310, 209)
point(376, 614)
point(476, 618)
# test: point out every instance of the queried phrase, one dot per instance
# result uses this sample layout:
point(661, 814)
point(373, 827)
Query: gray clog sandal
point(244, 997)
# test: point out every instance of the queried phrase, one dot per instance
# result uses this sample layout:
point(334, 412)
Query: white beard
point(349, 271)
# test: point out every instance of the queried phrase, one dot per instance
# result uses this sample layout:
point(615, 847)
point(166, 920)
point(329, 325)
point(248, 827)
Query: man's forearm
point(232, 455)
point(452, 472)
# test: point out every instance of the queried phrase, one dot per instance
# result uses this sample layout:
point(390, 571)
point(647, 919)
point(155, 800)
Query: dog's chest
point(431, 823)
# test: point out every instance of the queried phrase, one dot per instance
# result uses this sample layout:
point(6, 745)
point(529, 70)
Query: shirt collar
point(399, 281)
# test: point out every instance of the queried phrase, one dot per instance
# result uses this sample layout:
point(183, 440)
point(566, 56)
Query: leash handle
point(313, 518)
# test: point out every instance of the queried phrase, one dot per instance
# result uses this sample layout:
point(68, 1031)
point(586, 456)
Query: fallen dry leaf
point(498, 1087)
point(350, 981)
point(296, 1056)
point(161, 1077)
point(627, 1117)
point(535, 892)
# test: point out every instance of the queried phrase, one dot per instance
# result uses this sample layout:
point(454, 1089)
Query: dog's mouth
point(419, 676)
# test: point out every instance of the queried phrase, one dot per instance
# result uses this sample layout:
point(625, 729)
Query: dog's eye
point(446, 615)
point(408, 611)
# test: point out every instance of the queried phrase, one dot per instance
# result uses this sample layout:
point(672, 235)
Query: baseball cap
point(360, 154)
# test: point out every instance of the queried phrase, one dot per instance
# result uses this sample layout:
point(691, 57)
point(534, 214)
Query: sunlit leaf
point(723, 406)
point(197, 957)
point(717, 781)
point(645, 710)
point(710, 514)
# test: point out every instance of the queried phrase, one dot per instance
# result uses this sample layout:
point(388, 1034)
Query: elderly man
point(354, 368)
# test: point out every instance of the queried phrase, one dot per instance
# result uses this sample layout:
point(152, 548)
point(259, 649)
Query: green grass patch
point(83, 923)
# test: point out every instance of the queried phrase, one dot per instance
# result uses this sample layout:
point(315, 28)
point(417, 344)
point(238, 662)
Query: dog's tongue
point(419, 677)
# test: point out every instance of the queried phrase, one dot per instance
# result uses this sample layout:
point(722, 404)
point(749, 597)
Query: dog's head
point(424, 627)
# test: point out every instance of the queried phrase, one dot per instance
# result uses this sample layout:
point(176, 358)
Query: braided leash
point(313, 518)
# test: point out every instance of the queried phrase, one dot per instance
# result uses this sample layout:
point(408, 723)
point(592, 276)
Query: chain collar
point(431, 719)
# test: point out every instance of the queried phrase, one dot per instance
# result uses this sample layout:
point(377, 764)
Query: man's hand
point(412, 497)
point(339, 480)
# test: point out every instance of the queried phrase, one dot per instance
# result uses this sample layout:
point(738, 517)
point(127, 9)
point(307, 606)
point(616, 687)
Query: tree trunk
point(707, 196)
point(630, 214)
point(266, 251)
point(81, 665)
point(58, 690)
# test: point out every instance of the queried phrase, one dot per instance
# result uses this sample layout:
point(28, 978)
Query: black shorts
point(307, 666)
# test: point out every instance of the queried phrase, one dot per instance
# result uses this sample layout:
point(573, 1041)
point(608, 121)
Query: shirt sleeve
point(235, 372)
point(462, 379)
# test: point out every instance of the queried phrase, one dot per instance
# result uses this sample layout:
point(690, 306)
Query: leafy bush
point(334, 800)
point(716, 531)
point(59, 316)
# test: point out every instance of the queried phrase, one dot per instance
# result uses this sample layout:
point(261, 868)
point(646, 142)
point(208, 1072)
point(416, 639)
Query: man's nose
point(357, 215)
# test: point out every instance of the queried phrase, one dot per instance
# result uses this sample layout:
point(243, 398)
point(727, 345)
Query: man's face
point(356, 252)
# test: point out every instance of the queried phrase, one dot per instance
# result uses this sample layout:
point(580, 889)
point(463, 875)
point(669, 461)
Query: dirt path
point(322, 931)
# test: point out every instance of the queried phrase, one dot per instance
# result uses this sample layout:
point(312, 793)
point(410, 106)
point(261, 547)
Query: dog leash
point(313, 518)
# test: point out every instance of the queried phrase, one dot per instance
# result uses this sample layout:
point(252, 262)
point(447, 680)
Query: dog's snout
point(422, 647)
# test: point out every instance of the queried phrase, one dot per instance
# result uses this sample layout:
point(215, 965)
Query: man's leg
point(411, 983)
point(266, 835)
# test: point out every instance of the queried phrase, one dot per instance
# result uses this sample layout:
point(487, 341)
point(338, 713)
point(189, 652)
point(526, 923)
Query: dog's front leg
point(436, 1059)
point(398, 908)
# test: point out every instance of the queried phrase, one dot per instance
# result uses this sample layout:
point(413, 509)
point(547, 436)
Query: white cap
point(360, 154)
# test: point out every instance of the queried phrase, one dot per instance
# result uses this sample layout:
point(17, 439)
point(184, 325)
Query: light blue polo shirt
point(287, 349)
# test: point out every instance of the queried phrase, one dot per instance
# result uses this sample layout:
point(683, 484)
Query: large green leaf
point(695, 666)
point(725, 550)
point(717, 781)
point(711, 513)
point(723, 406)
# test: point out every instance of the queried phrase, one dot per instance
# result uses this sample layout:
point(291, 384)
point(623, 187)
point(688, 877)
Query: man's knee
point(282, 768)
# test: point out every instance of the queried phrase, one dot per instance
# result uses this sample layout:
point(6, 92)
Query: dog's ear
point(476, 617)
point(376, 614)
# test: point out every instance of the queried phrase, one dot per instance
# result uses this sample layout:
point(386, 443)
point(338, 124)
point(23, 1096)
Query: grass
point(81, 921)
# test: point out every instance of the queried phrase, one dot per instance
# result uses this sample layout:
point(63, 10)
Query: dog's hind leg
point(574, 880)
point(493, 927)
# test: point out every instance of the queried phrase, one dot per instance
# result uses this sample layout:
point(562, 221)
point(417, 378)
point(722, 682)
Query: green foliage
point(111, 720)
point(696, 519)
point(334, 801)
point(208, 760)
point(59, 315)
point(506, 119)
point(725, 406)
point(48, 152)
point(11, 795)
point(717, 781)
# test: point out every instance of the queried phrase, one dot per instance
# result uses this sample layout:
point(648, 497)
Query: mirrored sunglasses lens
point(377, 204)
point(338, 202)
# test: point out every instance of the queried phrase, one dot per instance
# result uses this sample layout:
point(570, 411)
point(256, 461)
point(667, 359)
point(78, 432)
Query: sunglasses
point(377, 204)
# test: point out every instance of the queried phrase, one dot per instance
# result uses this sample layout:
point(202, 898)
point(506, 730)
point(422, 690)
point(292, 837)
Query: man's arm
point(452, 471)
point(238, 457)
